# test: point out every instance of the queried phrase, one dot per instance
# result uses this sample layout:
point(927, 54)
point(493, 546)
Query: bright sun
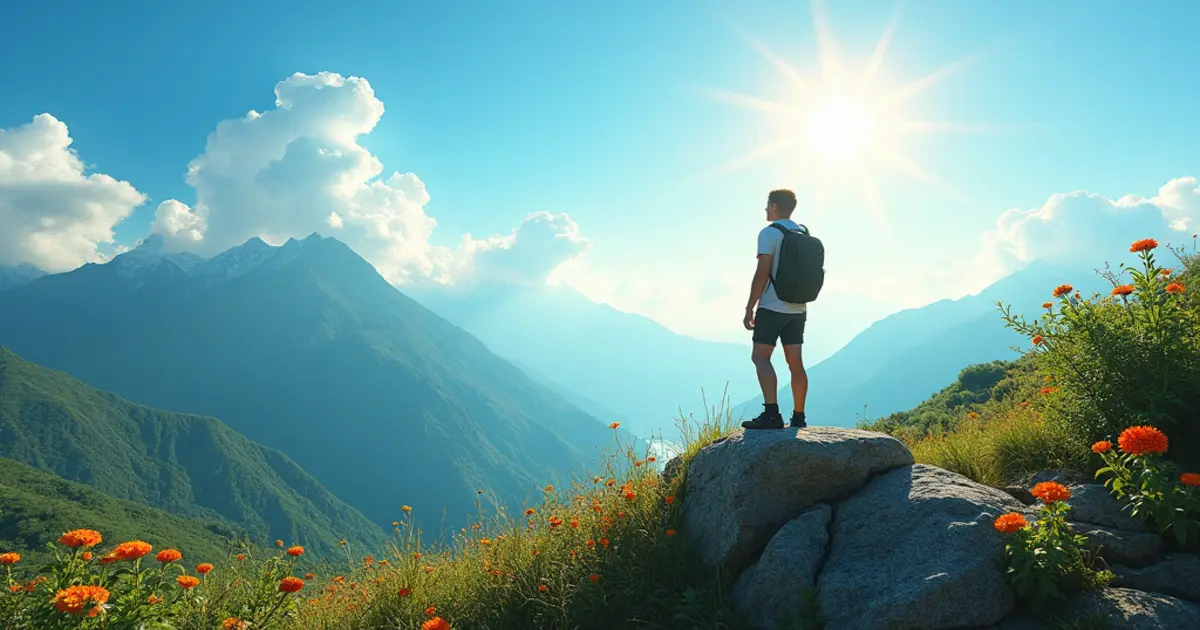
point(839, 128)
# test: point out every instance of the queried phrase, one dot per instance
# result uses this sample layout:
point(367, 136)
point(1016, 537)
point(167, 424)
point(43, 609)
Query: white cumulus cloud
point(298, 169)
point(53, 214)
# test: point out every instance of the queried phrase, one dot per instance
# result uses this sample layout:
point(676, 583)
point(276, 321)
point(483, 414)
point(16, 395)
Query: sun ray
point(781, 66)
point(912, 169)
point(761, 153)
point(874, 201)
point(911, 89)
point(880, 51)
point(924, 126)
point(827, 49)
point(744, 100)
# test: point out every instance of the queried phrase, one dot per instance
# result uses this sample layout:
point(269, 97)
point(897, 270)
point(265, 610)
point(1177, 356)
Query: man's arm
point(762, 274)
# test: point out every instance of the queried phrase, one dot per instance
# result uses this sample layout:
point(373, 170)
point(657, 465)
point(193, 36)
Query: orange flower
point(188, 581)
point(485, 541)
point(309, 575)
point(1142, 440)
point(549, 488)
point(1176, 288)
point(1190, 479)
point(1051, 491)
point(233, 623)
point(1143, 245)
point(555, 521)
point(405, 592)
point(429, 611)
point(87, 556)
point(542, 588)
point(652, 459)
point(1062, 290)
point(1048, 305)
point(169, 555)
point(15, 588)
point(295, 551)
point(669, 499)
point(203, 568)
point(972, 415)
point(279, 543)
point(436, 623)
point(81, 538)
point(74, 599)
point(1124, 289)
point(1010, 523)
point(670, 532)
point(1049, 390)
point(1038, 339)
point(11, 557)
point(530, 511)
point(594, 578)
point(614, 425)
point(153, 599)
point(241, 557)
point(290, 584)
point(131, 550)
point(405, 508)
point(1103, 446)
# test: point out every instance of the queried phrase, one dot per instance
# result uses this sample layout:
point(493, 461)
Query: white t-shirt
point(769, 240)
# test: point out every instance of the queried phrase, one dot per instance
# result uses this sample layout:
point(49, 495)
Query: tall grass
point(606, 552)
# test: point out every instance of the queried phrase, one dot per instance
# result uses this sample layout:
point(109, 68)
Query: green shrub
point(1127, 359)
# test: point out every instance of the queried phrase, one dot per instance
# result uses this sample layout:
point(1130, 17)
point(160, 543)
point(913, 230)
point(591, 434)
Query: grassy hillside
point(187, 465)
point(36, 507)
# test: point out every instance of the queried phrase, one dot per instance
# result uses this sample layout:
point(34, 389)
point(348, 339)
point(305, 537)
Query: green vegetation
point(602, 553)
point(186, 465)
point(36, 507)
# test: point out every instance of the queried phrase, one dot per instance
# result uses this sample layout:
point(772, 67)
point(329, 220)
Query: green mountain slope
point(306, 348)
point(36, 507)
point(187, 465)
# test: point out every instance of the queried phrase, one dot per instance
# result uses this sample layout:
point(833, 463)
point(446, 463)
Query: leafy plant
point(1044, 559)
point(1149, 485)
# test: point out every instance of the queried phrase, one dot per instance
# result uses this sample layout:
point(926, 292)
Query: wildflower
point(542, 588)
point(279, 543)
point(131, 550)
point(1176, 288)
point(1142, 440)
point(1010, 523)
point(1062, 290)
point(11, 557)
point(295, 551)
point(652, 459)
point(575, 523)
point(87, 556)
point(596, 479)
point(429, 611)
point(670, 532)
point(1103, 446)
point(638, 464)
point(1143, 245)
point(167, 556)
point(669, 499)
point(1190, 479)
point(972, 415)
point(153, 599)
point(81, 538)
point(1051, 491)
point(405, 508)
point(614, 425)
point(549, 489)
point(15, 588)
point(417, 555)
point(630, 495)
point(309, 575)
point(1048, 305)
point(290, 584)
point(74, 599)
point(1038, 339)
point(436, 623)
point(530, 511)
point(1123, 290)
point(233, 623)
point(1049, 390)
point(203, 568)
point(485, 541)
point(555, 521)
point(395, 523)
point(594, 578)
point(188, 581)
point(405, 592)
point(604, 543)
point(1166, 272)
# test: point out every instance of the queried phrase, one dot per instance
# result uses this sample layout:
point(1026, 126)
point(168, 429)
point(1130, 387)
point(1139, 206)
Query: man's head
point(780, 204)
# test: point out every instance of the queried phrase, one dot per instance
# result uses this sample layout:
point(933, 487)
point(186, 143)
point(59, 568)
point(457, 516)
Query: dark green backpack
point(801, 271)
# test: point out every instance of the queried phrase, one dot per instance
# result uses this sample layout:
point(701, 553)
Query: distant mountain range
point(909, 356)
point(12, 277)
point(186, 465)
point(605, 360)
point(307, 349)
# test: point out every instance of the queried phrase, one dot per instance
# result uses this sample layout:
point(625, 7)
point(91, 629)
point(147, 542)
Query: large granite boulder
point(1121, 546)
point(916, 548)
point(783, 582)
point(1092, 503)
point(1130, 609)
point(1177, 575)
point(743, 489)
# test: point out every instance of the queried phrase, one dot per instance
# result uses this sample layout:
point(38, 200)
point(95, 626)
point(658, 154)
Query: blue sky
point(598, 110)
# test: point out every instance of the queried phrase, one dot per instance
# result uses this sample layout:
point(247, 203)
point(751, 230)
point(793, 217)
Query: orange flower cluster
point(1142, 440)
point(1051, 491)
point(1010, 523)
point(169, 555)
point(290, 584)
point(187, 581)
point(1123, 290)
point(1175, 288)
point(1143, 245)
point(131, 550)
point(81, 538)
point(1062, 290)
point(1190, 479)
point(1103, 446)
point(11, 557)
point(295, 551)
point(73, 599)
point(233, 623)
point(203, 568)
point(436, 623)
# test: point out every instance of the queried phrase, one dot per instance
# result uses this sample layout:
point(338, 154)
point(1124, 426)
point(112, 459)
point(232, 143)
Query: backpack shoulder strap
point(781, 229)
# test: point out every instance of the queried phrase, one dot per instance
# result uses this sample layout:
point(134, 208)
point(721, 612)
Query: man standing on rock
point(790, 273)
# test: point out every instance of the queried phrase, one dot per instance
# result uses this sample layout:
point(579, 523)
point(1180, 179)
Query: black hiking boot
point(797, 421)
point(768, 419)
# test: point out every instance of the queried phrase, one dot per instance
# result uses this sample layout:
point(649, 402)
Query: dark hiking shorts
point(772, 326)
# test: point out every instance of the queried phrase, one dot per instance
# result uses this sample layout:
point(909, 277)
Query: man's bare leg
point(795, 363)
point(761, 355)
